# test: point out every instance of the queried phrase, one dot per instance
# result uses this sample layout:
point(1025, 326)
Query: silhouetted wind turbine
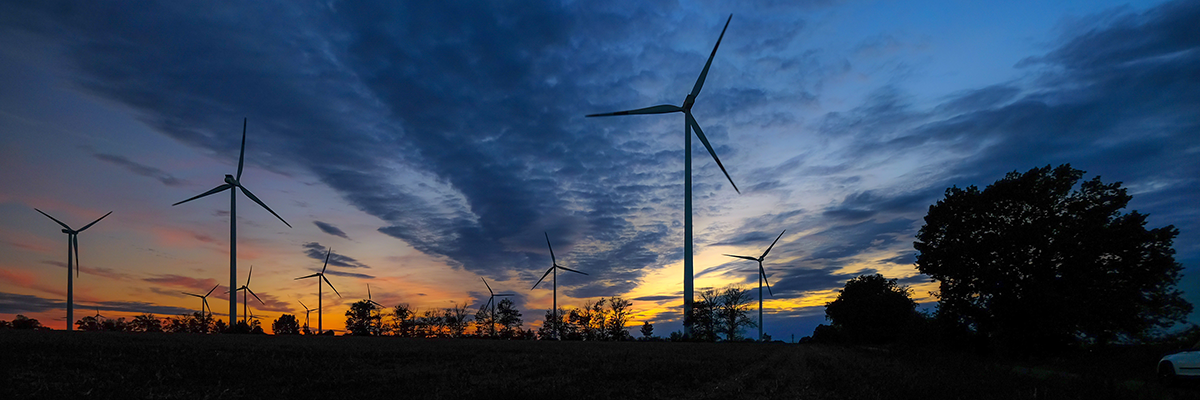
point(321, 277)
point(203, 298)
point(492, 300)
point(72, 260)
point(231, 182)
point(554, 268)
point(762, 277)
point(689, 123)
point(369, 297)
point(246, 289)
point(306, 311)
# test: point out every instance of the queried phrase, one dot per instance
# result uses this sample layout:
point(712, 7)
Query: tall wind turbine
point(231, 182)
point(554, 267)
point(321, 277)
point(204, 300)
point(492, 300)
point(689, 123)
point(762, 278)
point(306, 312)
point(72, 260)
point(245, 295)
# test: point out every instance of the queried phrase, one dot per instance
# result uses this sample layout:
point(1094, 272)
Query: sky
point(434, 144)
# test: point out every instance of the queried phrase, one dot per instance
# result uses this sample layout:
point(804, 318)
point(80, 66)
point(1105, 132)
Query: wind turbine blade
point(307, 276)
point(264, 205)
point(327, 253)
point(488, 286)
point(368, 291)
point(552, 260)
point(302, 304)
point(205, 300)
point(255, 296)
point(704, 72)
point(242, 154)
point(189, 294)
point(568, 269)
point(55, 220)
point(773, 244)
point(75, 243)
point(700, 134)
point(217, 189)
point(93, 223)
point(764, 276)
point(543, 277)
point(211, 290)
point(745, 257)
point(660, 109)
point(248, 276)
point(330, 285)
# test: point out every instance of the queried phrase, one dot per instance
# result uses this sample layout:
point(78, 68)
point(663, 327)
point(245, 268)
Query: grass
point(169, 366)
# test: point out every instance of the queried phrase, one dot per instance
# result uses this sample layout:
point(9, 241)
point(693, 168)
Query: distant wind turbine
point(246, 292)
point(492, 301)
point(369, 297)
point(231, 182)
point(554, 267)
point(321, 277)
point(72, 260)
point(762, 278)
point(204, 300)
point(306, 312)
point(689, 123)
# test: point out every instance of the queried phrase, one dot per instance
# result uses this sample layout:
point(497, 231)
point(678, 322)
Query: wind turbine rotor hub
point(688, 102)
point(230, 180)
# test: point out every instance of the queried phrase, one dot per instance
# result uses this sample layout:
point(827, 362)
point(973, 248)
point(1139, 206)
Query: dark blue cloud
point(140, 169)
point(318, 252)
point(330, 229)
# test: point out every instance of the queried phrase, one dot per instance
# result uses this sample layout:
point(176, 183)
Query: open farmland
point(99, 365)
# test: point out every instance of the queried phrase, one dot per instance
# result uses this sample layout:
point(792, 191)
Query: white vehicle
point(1179, 365)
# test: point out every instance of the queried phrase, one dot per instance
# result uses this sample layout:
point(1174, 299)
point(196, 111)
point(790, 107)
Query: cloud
point(185, 282)
point(330, 229)
point(25, 304)
point(140, 169)
point(318, 252)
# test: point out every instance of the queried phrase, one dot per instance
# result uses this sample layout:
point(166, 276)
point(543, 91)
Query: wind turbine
point(762, 278)
point(247, 292)
point(203, 298)
point(306, 311)
point(231, 182)
point(689, 123)
point(321, 277)
point(492, 299)
point(553, 268)
point(72, 260)
point(369, 297)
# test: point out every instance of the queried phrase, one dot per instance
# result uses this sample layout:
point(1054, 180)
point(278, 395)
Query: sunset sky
point(432, 143)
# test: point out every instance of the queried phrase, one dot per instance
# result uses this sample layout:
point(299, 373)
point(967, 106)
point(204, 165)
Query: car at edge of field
point(1184, 364)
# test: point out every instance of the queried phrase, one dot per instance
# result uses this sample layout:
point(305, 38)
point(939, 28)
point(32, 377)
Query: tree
point(647, 330)
point(731, 308)
point(1032, 264)
point(618, 316)
point(402, 321)
point(146, 323)
point(509, 319)
point(456, 320)
point(114, 325)
point(871, 309)
point(23, 322)
point(703, 318)
point(361, 319)
point(88, 323)
point(286, 325)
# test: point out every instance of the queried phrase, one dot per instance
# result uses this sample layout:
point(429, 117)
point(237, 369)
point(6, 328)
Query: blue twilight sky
point(431, 143)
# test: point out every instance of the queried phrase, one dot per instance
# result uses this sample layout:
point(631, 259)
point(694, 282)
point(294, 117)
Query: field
point(166, 366)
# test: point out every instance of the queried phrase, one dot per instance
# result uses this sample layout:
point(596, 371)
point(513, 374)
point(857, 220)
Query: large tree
point(362, 320)
point(1030, 262)
point(871, 309)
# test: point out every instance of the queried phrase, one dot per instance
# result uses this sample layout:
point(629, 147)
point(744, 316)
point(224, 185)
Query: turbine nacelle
point(231, 180)
point(689, 102)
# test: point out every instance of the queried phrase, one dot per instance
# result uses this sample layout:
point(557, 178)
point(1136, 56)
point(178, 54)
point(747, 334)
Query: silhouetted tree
point(484, 321)
point(402, 321)
point(456, 320)
point(1034, 264)
point(618, 316)
point(286, 325)
point(114, 325)
point(551, 328)
point(703, 318)
point(23, 322)
point(647, 330)
point(146, 323)
point(5, 324)
point(361, 319)
point(220, 326)
point(430, 324)
point(871, 309)
point(509, 319)
point(88, 323)
point(732, 307)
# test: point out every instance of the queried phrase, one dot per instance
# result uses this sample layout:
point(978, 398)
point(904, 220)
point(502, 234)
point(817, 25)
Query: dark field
point(134, 366)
